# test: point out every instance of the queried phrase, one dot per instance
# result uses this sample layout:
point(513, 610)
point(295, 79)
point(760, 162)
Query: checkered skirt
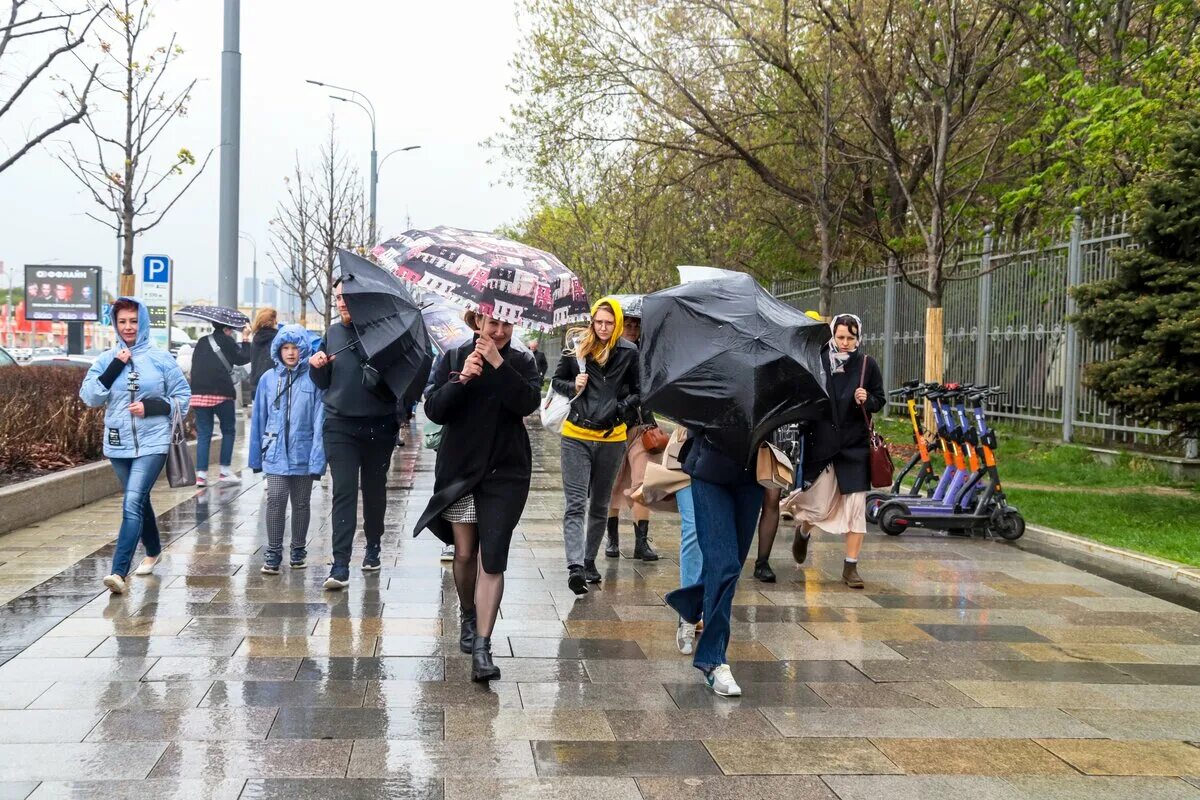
point(463, 511)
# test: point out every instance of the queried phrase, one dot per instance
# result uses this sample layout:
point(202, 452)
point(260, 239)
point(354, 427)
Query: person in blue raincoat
point(141, 387)
point(286, 443)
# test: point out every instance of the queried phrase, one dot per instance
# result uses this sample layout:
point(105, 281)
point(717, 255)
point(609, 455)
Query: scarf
point(838, 359)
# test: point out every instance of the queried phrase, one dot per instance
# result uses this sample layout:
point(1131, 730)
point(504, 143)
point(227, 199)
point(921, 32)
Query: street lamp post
point(254, 295)
point(370, 109)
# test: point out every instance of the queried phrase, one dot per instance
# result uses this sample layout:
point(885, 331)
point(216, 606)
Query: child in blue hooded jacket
point(286, 443)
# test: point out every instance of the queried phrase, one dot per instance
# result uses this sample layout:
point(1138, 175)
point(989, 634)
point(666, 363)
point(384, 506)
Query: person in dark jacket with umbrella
point(481, 393)
point(359, 435)
point(836, 474)
point(213, 394)
point(594, 434)
point(262, 334)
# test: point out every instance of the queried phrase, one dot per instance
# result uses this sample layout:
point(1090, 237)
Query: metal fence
point(1005, 324)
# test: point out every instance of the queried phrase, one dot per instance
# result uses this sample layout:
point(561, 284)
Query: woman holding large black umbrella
point(482, 391)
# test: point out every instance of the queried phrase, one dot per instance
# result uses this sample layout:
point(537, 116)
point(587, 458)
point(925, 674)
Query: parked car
point(6, 358)
point(21, 353)
point(78, 362)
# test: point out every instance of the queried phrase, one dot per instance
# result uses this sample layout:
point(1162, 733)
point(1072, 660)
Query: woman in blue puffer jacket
point(286, 443)
point(141, 387)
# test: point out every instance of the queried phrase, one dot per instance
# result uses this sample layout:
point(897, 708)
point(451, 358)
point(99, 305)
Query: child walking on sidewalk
point(286, 443)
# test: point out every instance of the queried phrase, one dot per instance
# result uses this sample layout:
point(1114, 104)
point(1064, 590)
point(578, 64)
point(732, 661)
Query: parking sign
point(156, 269)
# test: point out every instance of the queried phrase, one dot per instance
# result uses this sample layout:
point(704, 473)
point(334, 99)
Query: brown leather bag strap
point(862, 379)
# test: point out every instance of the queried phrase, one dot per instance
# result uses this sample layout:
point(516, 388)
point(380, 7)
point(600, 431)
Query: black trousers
point(359, 451)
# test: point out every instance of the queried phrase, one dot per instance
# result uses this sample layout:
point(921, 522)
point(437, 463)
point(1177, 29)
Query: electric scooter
point(979, 504)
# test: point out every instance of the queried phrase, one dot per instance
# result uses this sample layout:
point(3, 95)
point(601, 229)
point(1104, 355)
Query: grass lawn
point(1132, 515)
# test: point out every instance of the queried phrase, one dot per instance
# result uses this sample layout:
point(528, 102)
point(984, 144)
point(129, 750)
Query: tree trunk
point(127, 283)
point(825, 272)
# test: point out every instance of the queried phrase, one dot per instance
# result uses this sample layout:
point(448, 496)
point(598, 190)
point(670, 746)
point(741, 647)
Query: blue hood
point(292, 334)
point(143, 333)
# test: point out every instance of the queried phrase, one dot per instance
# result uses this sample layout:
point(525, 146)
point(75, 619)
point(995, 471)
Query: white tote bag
point(555, 406)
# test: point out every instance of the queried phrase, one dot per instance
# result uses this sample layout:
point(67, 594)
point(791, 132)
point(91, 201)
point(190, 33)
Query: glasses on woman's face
point(599, 323)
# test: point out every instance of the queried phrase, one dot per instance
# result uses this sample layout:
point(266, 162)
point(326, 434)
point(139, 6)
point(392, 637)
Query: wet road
point(966, 669)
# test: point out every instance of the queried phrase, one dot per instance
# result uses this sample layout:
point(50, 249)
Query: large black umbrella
point(391, 332)
point(725, 356)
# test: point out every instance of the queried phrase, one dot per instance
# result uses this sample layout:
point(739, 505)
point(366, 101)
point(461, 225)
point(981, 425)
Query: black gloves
point(110, 374)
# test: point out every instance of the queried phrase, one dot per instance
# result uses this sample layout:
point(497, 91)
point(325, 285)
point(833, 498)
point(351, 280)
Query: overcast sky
point(437, 74)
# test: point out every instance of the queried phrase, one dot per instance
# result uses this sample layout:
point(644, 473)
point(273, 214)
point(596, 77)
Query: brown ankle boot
point(850, 575)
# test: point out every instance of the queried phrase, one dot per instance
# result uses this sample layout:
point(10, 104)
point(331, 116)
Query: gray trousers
point(589, 470)
point(279, 488)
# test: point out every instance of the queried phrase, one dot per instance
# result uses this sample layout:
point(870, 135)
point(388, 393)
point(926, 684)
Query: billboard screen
point(62, 293)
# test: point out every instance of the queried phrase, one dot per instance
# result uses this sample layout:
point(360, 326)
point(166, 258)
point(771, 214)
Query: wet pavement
point(966, 669)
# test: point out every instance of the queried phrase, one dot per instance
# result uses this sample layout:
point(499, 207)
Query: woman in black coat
point(481, 394)
point(836, 473)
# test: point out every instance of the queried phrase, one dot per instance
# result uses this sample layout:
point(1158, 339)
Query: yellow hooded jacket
point(618, 433)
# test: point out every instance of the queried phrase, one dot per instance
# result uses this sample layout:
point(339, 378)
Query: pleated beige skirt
point(824, 507)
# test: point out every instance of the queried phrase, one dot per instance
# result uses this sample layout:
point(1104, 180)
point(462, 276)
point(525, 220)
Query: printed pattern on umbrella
point(490, 274)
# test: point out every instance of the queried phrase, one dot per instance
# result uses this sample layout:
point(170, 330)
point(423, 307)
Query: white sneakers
point(115, 584)
point(685, 637)
point(229, 476)
point(147, 566)
point(721, 681)
point(448, 553)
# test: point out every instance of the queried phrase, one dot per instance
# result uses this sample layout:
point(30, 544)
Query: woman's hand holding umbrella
point(319, 359)
point(486, 349)
point(472, 368)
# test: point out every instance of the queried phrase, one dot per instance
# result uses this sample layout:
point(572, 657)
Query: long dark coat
point(485, 448)
point(842, 437)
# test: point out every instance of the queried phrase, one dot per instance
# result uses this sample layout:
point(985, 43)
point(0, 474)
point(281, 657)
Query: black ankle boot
point(641, 542)
point(590, 573)
point(466, 636)
point(482, 667)
point(576, 579)
point(763, 571)
point(612, 547)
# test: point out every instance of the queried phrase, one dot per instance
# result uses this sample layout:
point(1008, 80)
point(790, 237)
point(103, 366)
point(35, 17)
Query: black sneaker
point(590, 573)
point(339, 577)
point(371, 560)
point(271, 562)
point(576, 579)
point(763, 571)
point(299, 558)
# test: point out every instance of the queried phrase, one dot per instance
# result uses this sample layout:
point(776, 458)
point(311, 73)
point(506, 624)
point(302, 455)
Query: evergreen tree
point(1150, 311)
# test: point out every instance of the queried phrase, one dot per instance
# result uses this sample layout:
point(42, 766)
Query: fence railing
point(1005, 324)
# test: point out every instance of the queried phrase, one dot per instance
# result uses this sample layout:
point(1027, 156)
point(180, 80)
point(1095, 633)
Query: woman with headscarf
point(836, 472)
point(602, 376)
point(141, 388)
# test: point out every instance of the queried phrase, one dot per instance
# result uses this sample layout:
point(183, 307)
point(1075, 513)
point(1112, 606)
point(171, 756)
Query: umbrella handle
point(347, 347)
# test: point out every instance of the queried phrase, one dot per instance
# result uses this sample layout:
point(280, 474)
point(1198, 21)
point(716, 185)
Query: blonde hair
point(265, 318)
point(589, 344)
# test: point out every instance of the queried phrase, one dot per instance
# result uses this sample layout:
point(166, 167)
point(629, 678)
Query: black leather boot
point(641, 542)
point(466, 636)
point(612, 546)
point(482, 667)
point(590, 573)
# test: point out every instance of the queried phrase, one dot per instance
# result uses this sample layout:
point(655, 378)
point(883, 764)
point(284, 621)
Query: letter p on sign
point(156, 269)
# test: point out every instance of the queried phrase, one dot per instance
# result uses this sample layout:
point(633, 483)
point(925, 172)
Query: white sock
point(200, 473)
point(851, 560)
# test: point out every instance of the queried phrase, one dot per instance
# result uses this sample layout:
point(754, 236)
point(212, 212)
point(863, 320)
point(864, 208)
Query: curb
point(1183, 574)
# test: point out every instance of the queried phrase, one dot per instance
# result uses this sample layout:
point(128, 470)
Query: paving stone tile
point(60, 647)
point(922, 787)
point(1099, 788)
point(1096, 634)
point(602, 696)
point(1103, 653)
point(1070, 671)
point(324, 694)
point(1134, 724)
point(527, 670)
point(19, 790)
point(982, 633)
point(696, 694)
point(74, 669)
point(460, 759)
point(159, 789)
point(735, 651)
point(865, 631)
point(622, 759)
point(210, 668)
point(722, 787)
point(33, 726)
point(847, 722)
point(1165, 674)
point(303, 646)
point(961, 651)
point(800, 757)
point(120, 694)
point(1026, 694)
point(357, 723)
point(691, 724)
point(192, 724)
point(832, 650)
point(1002, 723)
point(1167, 653)
point(590, 788)
point(17, 695)
point(63, 761)
point(1100, 757)
point(155, 646)
point(923, 601)
point(399, 788)
point(372, 669)
point(527, 724)
point(999, 757)
point(278, 758)
point(415, 694)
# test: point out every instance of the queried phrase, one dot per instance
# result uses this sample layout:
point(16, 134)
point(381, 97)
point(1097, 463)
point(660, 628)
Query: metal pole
point(231, 116)
point(889, 324)
point(984, 323)
point(1071, 342)
point(374, 184)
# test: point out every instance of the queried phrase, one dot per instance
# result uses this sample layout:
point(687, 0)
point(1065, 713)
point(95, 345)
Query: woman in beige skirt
point(836, 472)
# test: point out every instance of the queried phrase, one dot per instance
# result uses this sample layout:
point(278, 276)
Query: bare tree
point(338, 196)
point(28, 25)
point(122, 176)
point(293, 242)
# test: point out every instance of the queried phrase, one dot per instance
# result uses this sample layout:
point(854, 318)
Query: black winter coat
point(260, 358)
point(841, 438)
point(613, 390)
point(209, 375)
point(485, 448)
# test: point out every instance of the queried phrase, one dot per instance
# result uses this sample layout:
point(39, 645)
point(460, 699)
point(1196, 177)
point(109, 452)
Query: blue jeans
point(690, 558)
point(137, 477)
point(726, 518)
point(227, 416)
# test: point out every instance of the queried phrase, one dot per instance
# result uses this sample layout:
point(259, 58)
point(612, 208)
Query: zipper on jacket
point(132, 421)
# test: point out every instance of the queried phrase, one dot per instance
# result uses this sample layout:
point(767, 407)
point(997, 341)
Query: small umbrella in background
point(445, 323)
point(484, 272)
point(391, 332)
point(631, 304)
point(725, 356)
point(217, 315)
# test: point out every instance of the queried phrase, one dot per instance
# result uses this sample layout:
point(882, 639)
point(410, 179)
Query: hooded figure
point(598, 415)
point(159, 384)
point(285, 429)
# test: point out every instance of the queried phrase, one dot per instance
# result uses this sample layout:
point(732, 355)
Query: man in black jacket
point(360, 434)
point(539, 358)
point(213, 394)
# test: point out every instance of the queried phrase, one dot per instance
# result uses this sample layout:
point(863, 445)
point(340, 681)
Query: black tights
point(477, 589)
point(768, 523)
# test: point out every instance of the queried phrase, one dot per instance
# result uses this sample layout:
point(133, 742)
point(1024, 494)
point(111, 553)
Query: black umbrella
point(391, 332)
point(725, 356)
point(217, 315)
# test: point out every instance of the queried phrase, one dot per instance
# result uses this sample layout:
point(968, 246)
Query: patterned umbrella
point(631, 304)
point(490, 274)
point(217, 315)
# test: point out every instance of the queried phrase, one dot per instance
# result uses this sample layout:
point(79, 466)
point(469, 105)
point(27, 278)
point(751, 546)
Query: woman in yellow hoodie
point(603, 379)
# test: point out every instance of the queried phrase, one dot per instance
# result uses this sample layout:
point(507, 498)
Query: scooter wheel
point(1008, 524)
point(874, 503)
point(888, 516)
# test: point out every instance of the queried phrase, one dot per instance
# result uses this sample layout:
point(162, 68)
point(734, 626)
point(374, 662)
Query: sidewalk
point(966, 669)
